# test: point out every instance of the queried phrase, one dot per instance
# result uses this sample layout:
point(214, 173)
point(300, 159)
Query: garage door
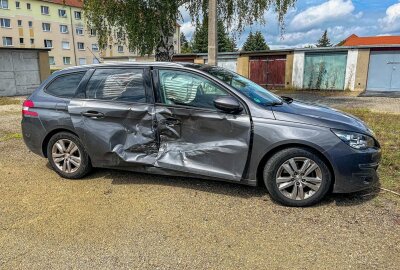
point(384, 71)
point(325, 71)
point(268, 71)
point(19, 72)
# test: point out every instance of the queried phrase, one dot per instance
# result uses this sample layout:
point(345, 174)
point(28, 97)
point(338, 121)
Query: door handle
point(93, 114)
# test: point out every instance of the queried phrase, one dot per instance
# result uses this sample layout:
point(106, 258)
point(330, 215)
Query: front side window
point(5, 23)
point(48, 43)
point(65, 85)
point(184, 88)
point(250, 89)
point(4, 4)
point(7, 41)
point(117, 84)
point(46, 27)
point(44, 10)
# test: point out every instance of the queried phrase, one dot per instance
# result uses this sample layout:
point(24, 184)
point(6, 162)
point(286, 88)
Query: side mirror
point(228, 104)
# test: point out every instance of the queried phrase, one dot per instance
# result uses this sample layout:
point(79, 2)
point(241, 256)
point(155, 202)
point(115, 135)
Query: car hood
point(301, 112)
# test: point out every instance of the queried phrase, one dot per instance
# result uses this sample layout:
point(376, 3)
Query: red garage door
point(268, 71)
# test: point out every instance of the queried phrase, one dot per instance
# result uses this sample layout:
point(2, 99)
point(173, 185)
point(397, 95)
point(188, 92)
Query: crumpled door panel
point(203, 142)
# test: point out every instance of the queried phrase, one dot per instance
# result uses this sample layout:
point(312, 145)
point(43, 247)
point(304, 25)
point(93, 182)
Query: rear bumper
point(33, 133)
point(354, 170)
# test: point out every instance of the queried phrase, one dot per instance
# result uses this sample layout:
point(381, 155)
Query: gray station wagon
point(200, 121)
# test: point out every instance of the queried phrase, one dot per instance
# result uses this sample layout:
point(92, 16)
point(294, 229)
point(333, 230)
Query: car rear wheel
point(297, 177)
point(67, 156)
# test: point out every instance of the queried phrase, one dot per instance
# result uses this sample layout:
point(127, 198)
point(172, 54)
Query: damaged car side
point(199, 121)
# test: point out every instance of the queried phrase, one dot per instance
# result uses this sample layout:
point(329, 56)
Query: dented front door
point(194, 136)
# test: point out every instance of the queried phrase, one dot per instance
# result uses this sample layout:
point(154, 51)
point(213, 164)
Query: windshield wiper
point(288, 100)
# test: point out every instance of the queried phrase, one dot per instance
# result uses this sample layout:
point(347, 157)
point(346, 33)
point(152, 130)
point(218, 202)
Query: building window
point(28, 6)
point(48, 43)
point(62, 13)
point(30, 24)
point(92, 32)
point(44, 10)
point(120, 49)
point(7, 41)
point(5, 23)
point(79, 31)
point(95, 60)
point(82, 61)
point(78, 15)
point(46, 27)
point(81, 46)
point(65, 45)
point(21, 40)
point(67, 60)
point(63, 28)
point(52, 62)
point(4, 4)
point(19, 23)
point(32, 41)
point(17, 4)
point(95, 47)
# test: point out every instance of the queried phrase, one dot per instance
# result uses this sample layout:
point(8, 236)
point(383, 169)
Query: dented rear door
point(115, 117)
point(194, 136)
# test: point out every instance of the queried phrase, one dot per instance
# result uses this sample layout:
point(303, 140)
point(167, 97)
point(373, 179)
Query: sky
point(306, 22)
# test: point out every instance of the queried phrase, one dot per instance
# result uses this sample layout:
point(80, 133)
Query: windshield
point(248, 88)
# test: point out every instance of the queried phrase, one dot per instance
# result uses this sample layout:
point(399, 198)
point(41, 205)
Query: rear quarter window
point(65, 85)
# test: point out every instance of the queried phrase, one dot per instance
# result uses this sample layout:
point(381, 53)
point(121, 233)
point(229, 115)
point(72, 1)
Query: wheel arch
point(273, 150)
point(51, 134)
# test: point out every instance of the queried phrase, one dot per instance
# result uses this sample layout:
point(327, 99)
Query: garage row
point(335, 68)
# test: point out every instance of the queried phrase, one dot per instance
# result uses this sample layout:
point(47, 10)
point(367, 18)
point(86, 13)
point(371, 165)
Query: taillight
point(26, 106)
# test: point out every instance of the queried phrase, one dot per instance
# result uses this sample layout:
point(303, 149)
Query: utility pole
point(212, 32)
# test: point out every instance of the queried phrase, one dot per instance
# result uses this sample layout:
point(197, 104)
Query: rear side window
point(65, 85)
point(117, 84)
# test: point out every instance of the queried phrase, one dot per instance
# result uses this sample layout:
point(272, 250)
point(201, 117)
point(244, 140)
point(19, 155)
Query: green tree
point(324, 41)
point(255, 42)
point(200, 38)
point(186, 47)
point(146, 25)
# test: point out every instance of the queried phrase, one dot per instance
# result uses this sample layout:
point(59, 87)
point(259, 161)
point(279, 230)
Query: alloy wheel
point(66, 155)
point(299, 178)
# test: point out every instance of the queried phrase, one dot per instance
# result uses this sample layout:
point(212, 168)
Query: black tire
point(85, 164)
point(273, 167)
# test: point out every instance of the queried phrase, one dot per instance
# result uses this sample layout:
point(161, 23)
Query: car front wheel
point(67, 156)
point(297, 177)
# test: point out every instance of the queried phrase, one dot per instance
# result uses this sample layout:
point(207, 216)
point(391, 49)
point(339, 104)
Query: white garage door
point(384, 71)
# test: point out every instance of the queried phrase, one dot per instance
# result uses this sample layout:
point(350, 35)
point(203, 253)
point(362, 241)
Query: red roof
point(355, 40)
point(72, 3)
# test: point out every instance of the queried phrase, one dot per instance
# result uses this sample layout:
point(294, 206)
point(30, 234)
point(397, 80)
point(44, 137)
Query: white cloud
point(391, 22)
point(188, 29)
point(329, 11)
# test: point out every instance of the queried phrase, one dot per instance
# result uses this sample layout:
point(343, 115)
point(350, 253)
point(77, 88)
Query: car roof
point(126, 64)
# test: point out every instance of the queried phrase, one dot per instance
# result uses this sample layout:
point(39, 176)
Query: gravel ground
point(114, 219)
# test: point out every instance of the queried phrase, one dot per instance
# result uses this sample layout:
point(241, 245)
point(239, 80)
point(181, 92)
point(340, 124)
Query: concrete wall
point(351, 69)
point(20, 71)
point(362, 70)
point(298, 69)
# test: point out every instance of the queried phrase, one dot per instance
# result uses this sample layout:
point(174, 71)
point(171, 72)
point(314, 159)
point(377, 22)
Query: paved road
point(120, 220)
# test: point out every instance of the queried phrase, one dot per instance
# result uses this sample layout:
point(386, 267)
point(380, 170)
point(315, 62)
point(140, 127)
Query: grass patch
point(387, 130)
point(8, 101)
point(10, 136)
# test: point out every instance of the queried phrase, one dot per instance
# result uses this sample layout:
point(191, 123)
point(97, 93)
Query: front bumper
point(354, 170)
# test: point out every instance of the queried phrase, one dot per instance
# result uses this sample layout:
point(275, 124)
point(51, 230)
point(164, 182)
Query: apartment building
point(60, 26)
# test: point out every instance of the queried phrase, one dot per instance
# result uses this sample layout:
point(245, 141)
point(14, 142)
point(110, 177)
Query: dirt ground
point(122, 220)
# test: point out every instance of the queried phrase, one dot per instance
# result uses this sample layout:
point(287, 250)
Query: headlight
point(355, 140)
